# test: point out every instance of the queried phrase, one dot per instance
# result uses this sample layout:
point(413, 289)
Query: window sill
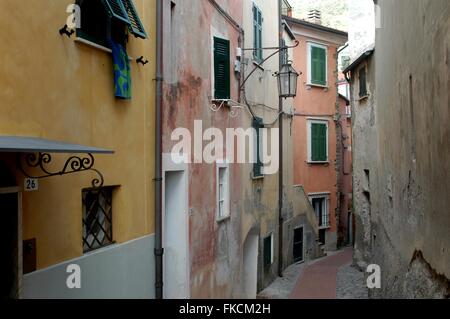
point(324, 227)
point(223, 219)
point(255, 178)
point(100, 249)
point(364, 97)
point(96, 46)
point(318, 163)
point(318, 86)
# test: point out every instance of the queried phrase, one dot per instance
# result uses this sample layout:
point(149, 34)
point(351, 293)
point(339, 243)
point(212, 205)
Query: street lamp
point(287, 81)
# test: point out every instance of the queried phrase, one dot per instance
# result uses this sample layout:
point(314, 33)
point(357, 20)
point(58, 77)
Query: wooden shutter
point(258, 166)
point(268, 251)
point(221, 68)
point(318, 65)
point(135, 25)
point(116, 10)
point(362, 82)
point(257, 34)
point(323, 142)
point(260, 52)
point(318, 142)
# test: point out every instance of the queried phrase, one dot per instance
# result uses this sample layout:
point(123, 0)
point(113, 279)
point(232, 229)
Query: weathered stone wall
point(403, 140)
point(364, 147)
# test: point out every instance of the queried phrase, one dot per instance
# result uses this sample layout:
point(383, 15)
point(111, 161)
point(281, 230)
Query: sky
point(334, 12)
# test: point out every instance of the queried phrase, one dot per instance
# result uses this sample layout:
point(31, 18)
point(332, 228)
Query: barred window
point(97, 218)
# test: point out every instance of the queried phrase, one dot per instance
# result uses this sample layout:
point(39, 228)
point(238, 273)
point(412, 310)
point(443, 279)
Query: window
point(318, 141)
point(317, 74)
point(320, 205)
point(268, 250)
point(223, 192)
point(257, 34)
point(97, 218)
point(298, 244)
point(103, 19)
point(362, 82)
point(221, 68)
point(258, 166)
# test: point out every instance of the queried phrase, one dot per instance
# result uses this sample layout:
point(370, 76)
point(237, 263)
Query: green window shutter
point(323, 143)
point(260, 52)
point(258, 166)
point(314, 142)
point(136, 27)
point(117, 10)
point(257, 34)
point(362, 82)
point(318, 66)
point(318, 142)
point(268, 251)
point(221, 68)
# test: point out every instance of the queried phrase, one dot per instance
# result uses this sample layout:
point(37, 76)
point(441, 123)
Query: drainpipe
point(280, 179)
point(159, 251)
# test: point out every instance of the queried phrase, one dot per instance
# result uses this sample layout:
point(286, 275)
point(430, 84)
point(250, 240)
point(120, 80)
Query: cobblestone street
point(330, 277)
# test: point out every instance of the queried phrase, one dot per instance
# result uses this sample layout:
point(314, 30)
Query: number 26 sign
point(31, 184)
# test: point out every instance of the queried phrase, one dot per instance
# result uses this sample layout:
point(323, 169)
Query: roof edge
point(358, 60)
point(315, 26)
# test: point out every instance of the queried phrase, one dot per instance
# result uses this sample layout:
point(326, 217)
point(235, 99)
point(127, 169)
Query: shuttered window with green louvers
point(319, 142)
point(221, 68)
point(136, 27)
point(257, 34)
point(268, 251)
point(116, 10)
point(318, 65)
point(362, 82)
point(125, 11)
point(258, 165)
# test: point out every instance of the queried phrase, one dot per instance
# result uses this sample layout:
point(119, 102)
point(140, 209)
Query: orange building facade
point(314, 126)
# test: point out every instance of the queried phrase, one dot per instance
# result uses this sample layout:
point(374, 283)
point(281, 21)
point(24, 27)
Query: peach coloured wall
point(318, 103)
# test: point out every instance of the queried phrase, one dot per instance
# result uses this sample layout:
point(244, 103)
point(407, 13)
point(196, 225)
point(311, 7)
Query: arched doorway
point(250, 266)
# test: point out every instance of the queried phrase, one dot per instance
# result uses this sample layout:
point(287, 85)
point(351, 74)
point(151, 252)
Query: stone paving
point(350, 283)
point(330, 277)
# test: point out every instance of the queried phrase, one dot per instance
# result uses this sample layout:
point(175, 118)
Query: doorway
point(175, 236)
point(298, 245)
point(250, 267)
point(11, 266)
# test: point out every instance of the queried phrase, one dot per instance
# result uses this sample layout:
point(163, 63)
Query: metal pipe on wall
point(280, 179)
point(159, 251)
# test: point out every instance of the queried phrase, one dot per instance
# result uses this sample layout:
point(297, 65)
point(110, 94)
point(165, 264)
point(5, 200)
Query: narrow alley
point(225, 149)
point(329, 277)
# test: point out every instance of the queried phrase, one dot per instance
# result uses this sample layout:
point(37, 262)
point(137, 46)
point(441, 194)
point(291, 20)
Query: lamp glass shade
point(287, 81)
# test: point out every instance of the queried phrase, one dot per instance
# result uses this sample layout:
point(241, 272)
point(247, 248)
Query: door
point(250, 266)
point(298, 244)
point(11, 270)
point(175, 237)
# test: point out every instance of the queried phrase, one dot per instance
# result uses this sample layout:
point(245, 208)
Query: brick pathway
point(318, 280)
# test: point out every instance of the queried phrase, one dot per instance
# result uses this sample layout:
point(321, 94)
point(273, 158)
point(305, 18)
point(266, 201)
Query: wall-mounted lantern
point(287, 81)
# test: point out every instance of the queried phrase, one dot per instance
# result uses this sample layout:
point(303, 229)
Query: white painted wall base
point(116, 272)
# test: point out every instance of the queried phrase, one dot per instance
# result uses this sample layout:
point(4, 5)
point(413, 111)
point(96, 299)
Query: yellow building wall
point(57, 88)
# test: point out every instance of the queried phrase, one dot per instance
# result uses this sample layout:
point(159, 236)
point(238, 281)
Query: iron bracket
point(73, 164)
